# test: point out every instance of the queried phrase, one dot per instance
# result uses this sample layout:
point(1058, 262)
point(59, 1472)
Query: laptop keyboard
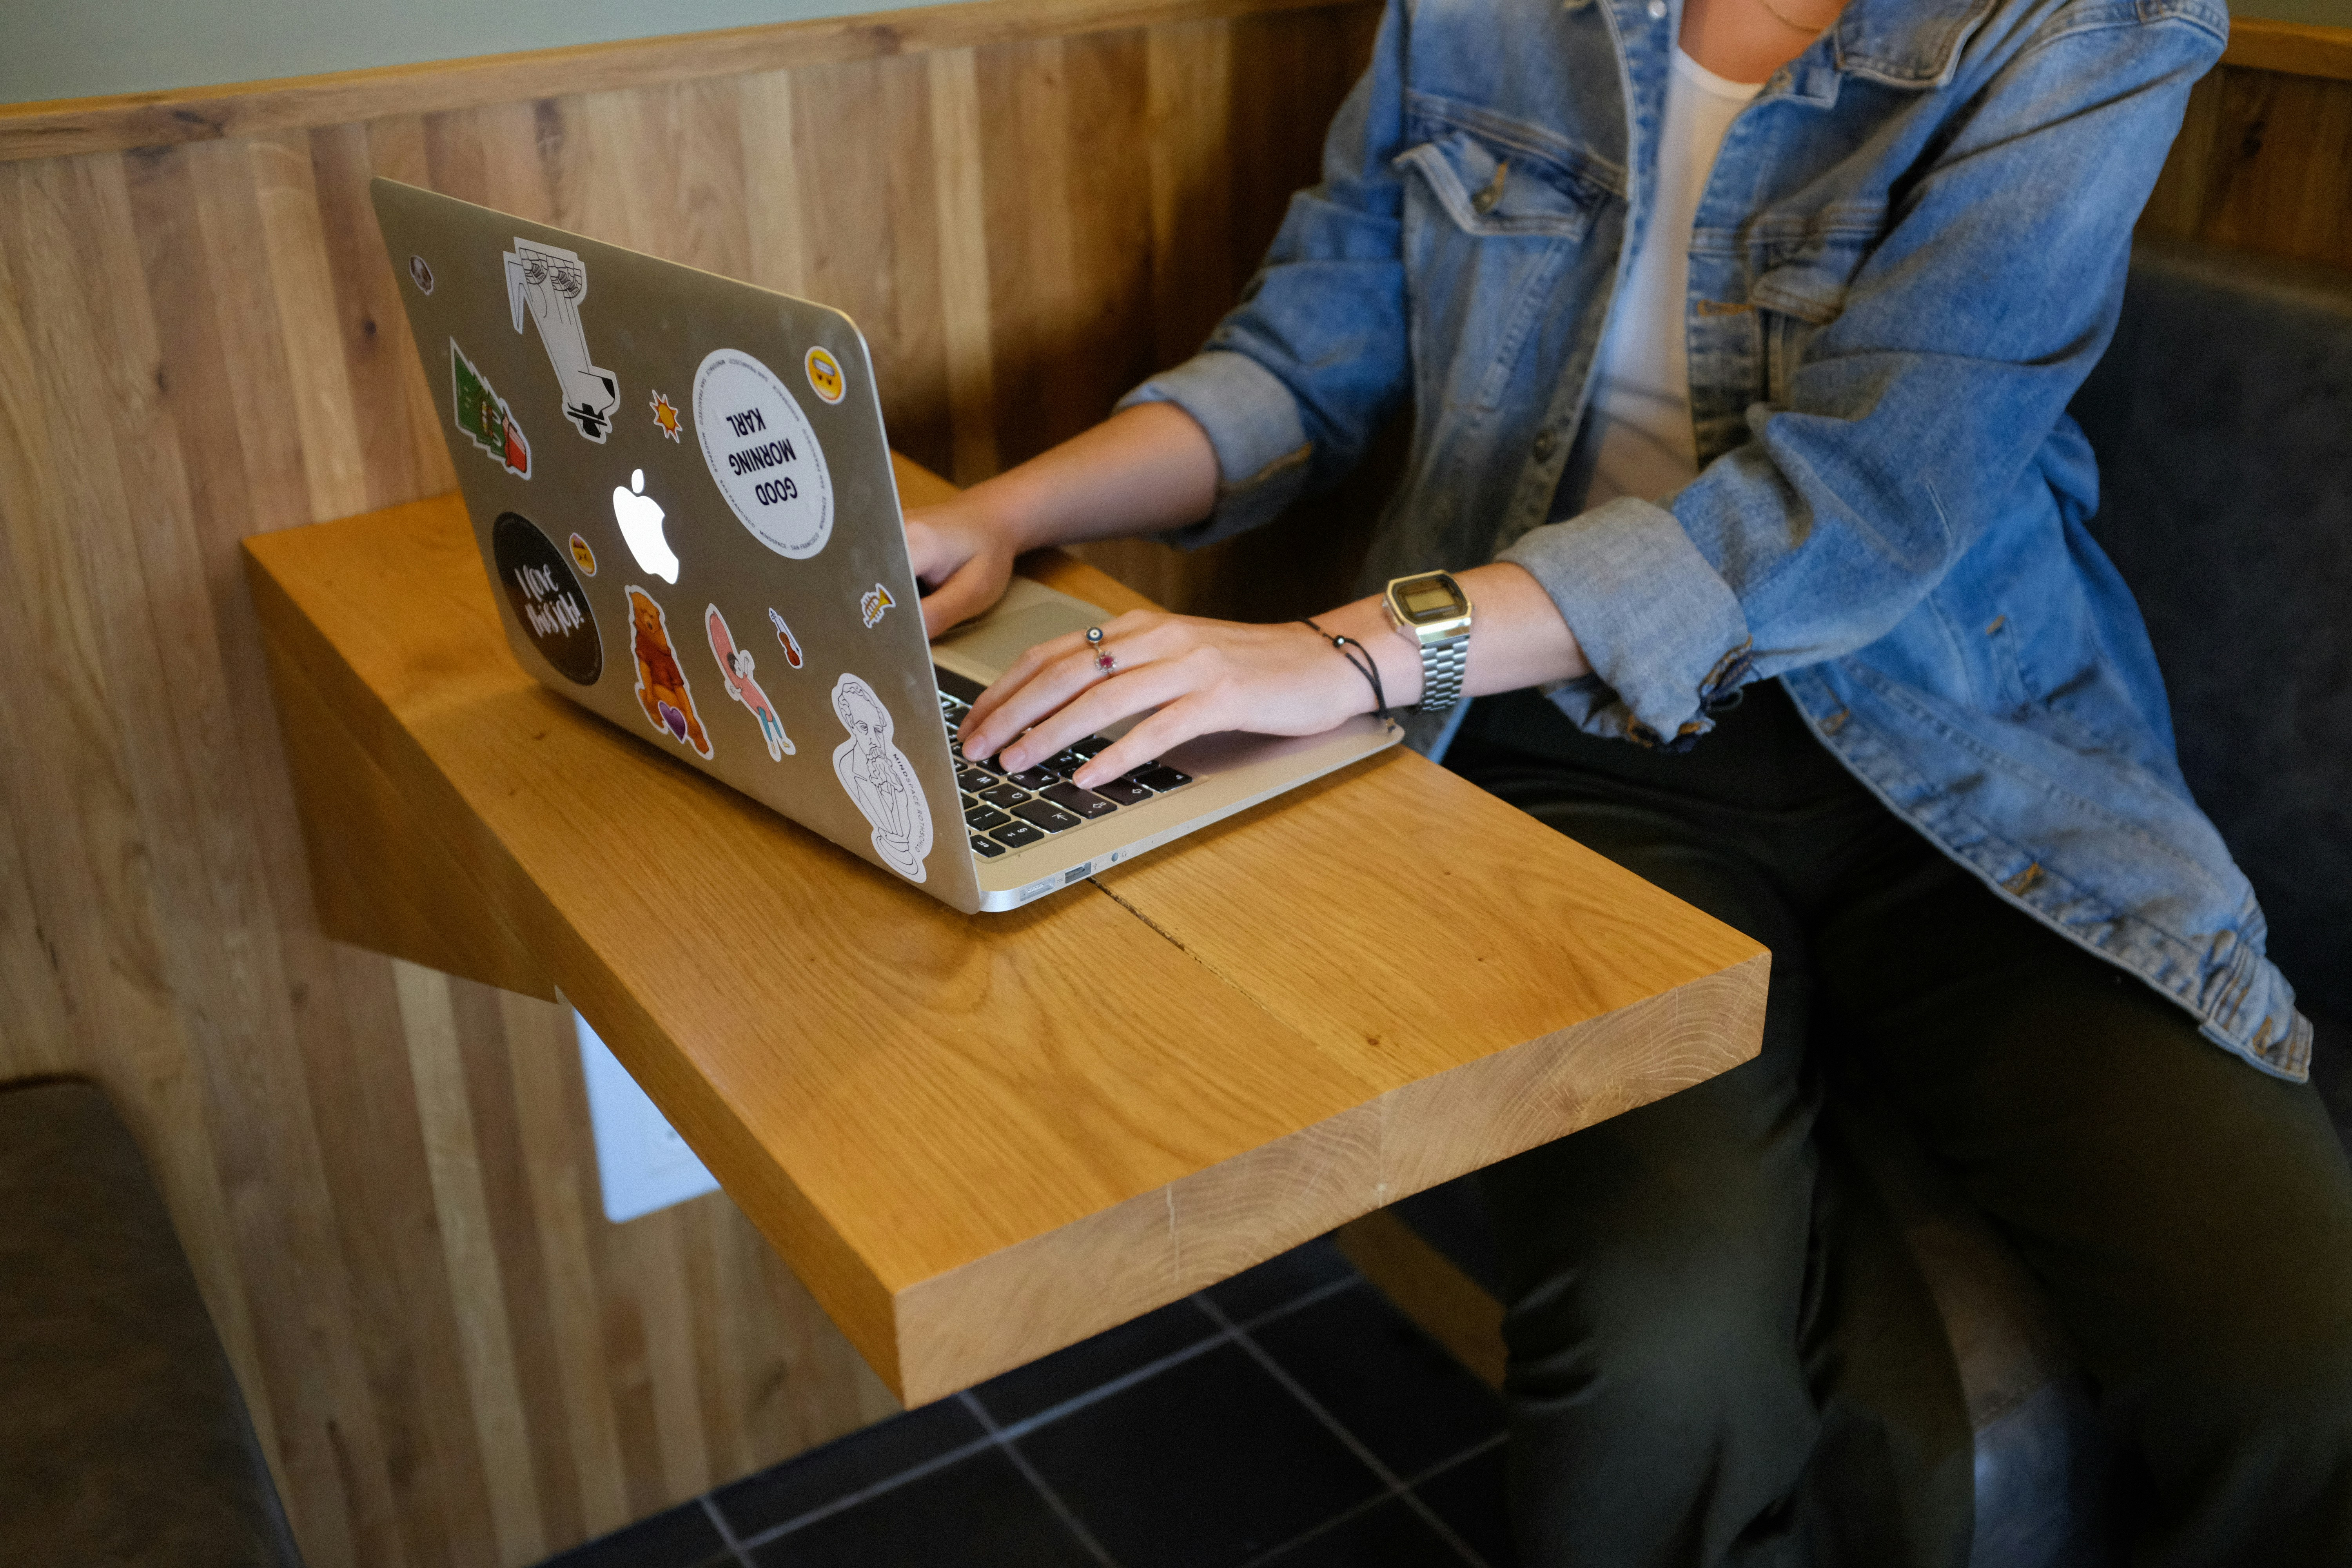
point(1005, 811)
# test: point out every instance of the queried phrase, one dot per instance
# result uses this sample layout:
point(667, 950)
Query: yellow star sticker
point(666, 415)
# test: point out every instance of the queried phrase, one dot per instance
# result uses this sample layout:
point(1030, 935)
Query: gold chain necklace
point(1787, 21)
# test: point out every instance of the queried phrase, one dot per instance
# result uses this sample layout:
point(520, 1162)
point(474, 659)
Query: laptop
point(683, 494)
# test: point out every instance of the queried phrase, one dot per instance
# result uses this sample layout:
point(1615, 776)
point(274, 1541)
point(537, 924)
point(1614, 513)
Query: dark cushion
point(123, 1439)
point(2222, 418)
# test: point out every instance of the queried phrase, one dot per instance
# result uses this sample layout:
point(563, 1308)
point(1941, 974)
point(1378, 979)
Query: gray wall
point(75, 48)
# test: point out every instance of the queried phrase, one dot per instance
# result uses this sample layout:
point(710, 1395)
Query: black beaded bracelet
point(1365, 667)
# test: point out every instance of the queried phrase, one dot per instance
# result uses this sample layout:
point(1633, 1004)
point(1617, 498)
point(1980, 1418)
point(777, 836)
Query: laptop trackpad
point(1029, 614)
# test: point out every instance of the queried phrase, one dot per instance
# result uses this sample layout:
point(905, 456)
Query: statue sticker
point(880, 779)
point(547, 599)
point(662, 688)
point(550, 283)
point(762, 454)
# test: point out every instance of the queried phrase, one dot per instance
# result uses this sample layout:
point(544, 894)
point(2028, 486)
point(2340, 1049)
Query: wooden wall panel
point(382, 1175)
point(2263, 162)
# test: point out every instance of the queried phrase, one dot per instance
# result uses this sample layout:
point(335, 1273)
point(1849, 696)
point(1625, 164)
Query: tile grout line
point(1430, 1472)
point(726, 1532)
point(1225, 1334)
point(1062, 1510)
point(1371, 1461)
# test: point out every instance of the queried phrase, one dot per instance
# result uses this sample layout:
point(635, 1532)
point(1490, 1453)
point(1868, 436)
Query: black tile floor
point(1289, 1416)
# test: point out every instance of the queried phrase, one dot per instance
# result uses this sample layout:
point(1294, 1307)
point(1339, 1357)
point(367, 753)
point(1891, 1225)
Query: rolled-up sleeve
point(1918, 418)
point(1295, 383)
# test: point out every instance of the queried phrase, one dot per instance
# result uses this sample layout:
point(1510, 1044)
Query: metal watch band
point(1441, 665)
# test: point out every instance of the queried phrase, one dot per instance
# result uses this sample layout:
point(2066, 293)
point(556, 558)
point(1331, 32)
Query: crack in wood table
point(978, 1139)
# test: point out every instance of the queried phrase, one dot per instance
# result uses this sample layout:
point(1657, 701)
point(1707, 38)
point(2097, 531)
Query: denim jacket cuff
point(1252, 425)
point(1666, 638)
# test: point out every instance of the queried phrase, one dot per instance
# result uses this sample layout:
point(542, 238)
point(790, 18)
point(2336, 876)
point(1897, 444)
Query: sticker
point(871, 605)
point(662, 688)
point(640, 517)
point(666, 415)
point(824, 373)
point(762, 454)
point(552, 283)
point(784, 635)
point(420, 274)
point(548, 600)
point(483, 416)
point(880, 779)
point(735, 670)
point(584, 557)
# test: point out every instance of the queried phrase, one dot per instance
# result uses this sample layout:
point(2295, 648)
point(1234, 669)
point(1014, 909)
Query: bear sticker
point(880, 779)
point(662, 688)
point(735, 671)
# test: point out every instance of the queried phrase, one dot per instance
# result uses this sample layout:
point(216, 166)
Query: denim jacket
point(1909, 254)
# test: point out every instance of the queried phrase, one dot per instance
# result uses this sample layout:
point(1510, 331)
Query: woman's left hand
point(1193, 676)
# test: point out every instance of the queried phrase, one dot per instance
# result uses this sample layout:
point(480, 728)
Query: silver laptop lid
point(681, 488)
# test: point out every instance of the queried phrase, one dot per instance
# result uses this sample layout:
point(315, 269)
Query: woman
point(1738, 341)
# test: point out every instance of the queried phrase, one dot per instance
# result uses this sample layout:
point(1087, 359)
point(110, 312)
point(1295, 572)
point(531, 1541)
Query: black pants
point(1716, 1352)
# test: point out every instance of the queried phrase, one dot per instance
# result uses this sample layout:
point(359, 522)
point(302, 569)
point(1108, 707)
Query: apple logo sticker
point(640, 517)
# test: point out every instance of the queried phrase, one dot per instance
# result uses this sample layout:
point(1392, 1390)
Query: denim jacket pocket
point(1488, 227)
point(1496, 190)
point(1796, 293)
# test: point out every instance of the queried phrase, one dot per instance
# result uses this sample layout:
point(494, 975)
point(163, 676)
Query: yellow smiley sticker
point(584, 557)
point(825, 376)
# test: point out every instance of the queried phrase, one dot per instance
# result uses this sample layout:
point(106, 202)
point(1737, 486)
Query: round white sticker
point(763, 454)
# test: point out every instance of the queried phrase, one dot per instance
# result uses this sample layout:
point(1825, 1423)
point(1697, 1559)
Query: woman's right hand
point(962, 555)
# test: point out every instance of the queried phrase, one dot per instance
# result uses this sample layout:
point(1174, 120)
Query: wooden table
point(979, 1139)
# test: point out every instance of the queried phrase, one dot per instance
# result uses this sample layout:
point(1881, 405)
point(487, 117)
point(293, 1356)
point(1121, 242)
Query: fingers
point(1156, 735)
point(968, 592)
point(1051, 674)
point(1120, 696)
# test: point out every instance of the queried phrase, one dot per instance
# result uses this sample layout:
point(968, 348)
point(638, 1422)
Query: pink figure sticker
point(735, 670)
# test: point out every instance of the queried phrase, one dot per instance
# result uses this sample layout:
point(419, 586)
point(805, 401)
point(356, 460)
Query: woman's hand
point(1207, 676)
point(962, 553)
point(1201, 677)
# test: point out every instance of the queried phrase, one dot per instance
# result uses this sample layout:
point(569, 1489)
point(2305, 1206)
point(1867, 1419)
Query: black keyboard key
point(1005, 795)
point(1037, 777)
point(1045, 814)
point(1160, 779)
point(1092, 746)
point(1085, 803)
point(986, 848)
point(981, 818)
point(965, 796)
point(1066, 762)
point(972, 780)
point(1123, 791)
point(1013, 835)
point(950, 684)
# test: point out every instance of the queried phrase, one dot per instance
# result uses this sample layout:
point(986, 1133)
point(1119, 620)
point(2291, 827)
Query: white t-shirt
point(1641, 408)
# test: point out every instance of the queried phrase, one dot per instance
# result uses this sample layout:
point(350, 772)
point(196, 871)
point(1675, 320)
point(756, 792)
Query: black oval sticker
point(547, 598)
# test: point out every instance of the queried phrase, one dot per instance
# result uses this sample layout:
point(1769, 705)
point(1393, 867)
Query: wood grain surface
point(202, 341)
point(2263, 162)
point(981, 1139)
point(198, 342)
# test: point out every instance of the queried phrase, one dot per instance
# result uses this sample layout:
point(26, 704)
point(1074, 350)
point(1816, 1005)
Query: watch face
point(1432, 598)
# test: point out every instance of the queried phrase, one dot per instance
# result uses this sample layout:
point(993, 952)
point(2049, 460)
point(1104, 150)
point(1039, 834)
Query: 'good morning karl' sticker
point(763, 454)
